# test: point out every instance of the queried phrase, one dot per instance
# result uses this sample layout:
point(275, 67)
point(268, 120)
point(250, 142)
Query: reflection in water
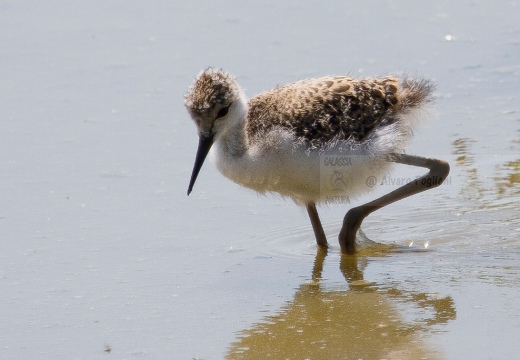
point(489, 214)
point(365, 320)
point(508, 182)
point(473, 188)
point(480, 195)
point(358, 322)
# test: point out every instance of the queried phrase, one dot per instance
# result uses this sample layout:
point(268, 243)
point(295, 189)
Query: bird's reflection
point(361, 322)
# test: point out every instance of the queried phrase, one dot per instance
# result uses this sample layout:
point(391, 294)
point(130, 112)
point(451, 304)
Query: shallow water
point(102, 249)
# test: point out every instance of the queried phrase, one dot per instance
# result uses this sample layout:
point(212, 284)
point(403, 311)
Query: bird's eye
point(222, 112)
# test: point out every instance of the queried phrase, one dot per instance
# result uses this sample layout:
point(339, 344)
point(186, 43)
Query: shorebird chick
point(322, 140)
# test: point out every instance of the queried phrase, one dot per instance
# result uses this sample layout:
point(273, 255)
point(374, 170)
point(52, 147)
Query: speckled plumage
point(317, 110)
point(315, 140)
point(322, 109)
point(212, 90)
point(260, 141)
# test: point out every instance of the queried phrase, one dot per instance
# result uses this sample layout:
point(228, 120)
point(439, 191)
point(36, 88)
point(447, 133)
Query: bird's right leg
point(321, 239)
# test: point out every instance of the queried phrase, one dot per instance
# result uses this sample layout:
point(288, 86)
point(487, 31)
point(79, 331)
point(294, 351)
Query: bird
point(321, 140)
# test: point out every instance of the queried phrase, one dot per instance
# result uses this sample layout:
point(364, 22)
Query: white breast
point(282, 164)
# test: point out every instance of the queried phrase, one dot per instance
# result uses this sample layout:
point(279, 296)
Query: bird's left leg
point(352, 222)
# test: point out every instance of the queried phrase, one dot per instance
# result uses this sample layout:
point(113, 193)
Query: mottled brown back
point(322, 109)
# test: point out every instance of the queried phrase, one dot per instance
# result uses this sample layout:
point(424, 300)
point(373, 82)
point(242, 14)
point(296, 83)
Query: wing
point(320, 110)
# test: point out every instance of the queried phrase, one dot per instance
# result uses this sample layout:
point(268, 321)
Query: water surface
point(102, 249)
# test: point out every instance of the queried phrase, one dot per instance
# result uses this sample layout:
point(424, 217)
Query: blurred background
point(103, 252)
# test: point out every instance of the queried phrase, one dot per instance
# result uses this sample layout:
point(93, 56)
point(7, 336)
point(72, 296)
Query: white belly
point(337, 174)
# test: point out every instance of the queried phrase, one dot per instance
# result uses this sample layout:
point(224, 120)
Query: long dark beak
point(205, 142)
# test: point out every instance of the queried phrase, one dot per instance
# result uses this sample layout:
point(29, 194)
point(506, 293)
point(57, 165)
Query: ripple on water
point(298, 243)
point(295, 243)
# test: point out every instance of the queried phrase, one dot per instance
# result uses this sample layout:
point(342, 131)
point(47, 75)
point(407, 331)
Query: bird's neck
point(233, 140)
